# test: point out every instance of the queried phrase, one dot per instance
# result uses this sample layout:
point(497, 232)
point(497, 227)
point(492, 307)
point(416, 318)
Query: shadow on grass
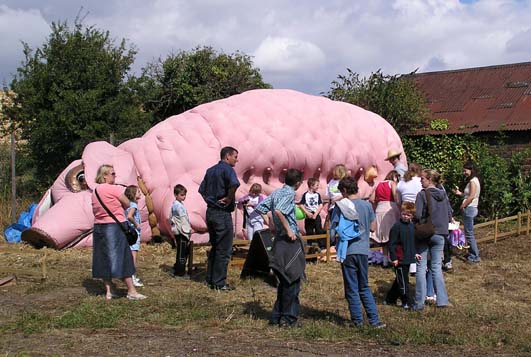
point(255, 309)
point(95, 287)
point(198, 273)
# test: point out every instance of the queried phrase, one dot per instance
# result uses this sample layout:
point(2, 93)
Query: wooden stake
point(528, 224)
point(519, 224)
point(496, 229)
point(13, 180)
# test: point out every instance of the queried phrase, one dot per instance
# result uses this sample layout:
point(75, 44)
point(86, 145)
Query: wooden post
point(43, 265)
point(327, 245)
point(190, 257)
point(496, 229)
point(519, 225)
point(13, 180)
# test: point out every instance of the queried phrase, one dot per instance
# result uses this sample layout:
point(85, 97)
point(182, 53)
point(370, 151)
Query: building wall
point(508, 143)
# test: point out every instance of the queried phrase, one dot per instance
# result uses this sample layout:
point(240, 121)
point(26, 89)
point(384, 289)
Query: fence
point(505, 227)
point(492, 230)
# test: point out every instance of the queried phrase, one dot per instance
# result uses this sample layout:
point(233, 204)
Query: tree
point(395, 98)
point(186, 79)
point(71, 91)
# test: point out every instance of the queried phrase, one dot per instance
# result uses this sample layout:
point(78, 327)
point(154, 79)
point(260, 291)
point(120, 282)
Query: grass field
point(66, 314)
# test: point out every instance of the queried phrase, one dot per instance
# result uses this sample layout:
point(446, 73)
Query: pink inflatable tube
point(273, 130)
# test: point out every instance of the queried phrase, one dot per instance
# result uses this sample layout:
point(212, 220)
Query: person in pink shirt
point(111, 256)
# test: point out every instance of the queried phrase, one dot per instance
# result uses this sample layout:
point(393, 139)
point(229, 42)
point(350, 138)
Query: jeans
point(355, 269)
point(429, 283)
point(287, 305)
point(435, 247)
point(313, 227)
point(447, 251)
point(182, 255)
point(468, 221)
point(221, 234)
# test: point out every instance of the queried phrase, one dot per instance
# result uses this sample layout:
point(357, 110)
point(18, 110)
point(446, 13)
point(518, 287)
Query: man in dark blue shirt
point(218, 189)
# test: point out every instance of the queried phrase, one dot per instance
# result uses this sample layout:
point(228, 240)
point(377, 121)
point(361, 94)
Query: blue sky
point(302, 45)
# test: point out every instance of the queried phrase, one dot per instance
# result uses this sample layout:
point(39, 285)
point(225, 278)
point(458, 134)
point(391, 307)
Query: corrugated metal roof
point(479, 99)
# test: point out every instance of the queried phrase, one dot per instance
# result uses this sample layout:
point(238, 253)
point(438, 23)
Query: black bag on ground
point(424, 231)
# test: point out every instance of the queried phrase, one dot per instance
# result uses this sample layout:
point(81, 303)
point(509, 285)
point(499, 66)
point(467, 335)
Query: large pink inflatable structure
point(273, 130)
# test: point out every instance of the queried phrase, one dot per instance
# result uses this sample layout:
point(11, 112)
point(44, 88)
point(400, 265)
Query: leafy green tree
point(186, 79)
point(71, 91)
point(395, 98)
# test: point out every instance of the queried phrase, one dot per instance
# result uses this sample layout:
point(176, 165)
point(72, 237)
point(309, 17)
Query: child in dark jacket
point(402, 254)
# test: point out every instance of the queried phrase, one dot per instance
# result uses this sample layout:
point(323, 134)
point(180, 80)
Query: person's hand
point(457, 191)
point(395, 263)
point(224, 201)
point(292, 235)
point(418, 257)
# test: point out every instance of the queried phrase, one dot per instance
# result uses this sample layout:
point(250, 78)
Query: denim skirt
point(111, 256)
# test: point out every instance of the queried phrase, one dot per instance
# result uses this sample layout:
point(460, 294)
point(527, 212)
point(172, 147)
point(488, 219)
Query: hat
point(392, 153)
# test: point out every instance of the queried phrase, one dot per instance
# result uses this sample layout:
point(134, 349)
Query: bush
point(505, 187)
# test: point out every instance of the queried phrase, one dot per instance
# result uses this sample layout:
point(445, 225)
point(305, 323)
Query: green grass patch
point(95, 316)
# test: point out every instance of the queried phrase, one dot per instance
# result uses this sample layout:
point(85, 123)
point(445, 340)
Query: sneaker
point(354, 324)
point(137, 282)
point(447, 266)
point(287, 324)
point(445, 306)
point(379, 325)
point(136, 296)
point(431, 299)
point(473, 260)
point(406, 307)
point(225, 287)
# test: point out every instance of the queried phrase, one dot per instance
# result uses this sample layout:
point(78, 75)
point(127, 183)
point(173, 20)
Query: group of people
point(387, 215)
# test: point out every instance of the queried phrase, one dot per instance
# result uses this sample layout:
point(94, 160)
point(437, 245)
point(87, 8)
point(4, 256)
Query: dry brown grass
point(66, 314)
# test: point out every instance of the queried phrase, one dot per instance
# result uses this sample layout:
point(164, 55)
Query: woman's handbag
point(130, 233)
point(424, 231)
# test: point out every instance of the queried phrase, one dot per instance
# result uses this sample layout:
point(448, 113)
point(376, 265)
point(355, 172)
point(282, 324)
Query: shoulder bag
point(130, 233)
point(424, 231)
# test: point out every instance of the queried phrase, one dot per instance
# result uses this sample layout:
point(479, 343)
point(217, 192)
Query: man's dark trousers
point(221, 234)
point(287, 306)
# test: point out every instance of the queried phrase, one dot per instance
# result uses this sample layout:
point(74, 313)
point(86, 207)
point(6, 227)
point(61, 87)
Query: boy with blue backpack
point(350, 219)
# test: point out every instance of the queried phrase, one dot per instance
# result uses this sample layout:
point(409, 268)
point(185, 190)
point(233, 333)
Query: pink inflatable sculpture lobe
point(273, 130)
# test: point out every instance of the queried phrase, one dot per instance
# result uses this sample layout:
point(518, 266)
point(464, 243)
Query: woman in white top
point(470, 208)
point(408, 188)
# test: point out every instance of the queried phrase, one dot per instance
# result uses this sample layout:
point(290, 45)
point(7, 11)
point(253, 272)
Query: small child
point(402, 255)
point(180, 226)
point(312, 204)
point(133, 219)
point(252, 221)
point(355, 266)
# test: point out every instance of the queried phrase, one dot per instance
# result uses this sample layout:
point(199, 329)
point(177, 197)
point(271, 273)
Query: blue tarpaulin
point(14, 231)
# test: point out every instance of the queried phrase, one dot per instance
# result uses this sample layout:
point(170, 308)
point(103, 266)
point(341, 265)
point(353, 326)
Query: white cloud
point(299, 45)
point(288, 55)
point(15, 26)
